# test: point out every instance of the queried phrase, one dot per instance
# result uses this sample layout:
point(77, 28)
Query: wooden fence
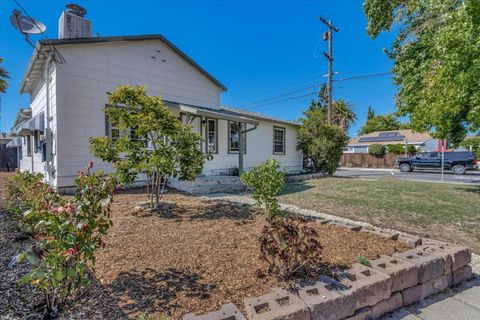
point(365, 160)
point(8, 158)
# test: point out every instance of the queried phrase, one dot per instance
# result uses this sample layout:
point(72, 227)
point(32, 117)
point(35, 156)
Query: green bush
point(267, 180)
point(321, 144)
point(67, 235)
point(376, 150)
point(399, 148)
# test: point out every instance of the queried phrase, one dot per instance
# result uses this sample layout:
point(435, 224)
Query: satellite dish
point(26, 25)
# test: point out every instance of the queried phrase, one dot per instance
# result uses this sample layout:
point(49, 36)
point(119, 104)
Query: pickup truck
point(458, 162)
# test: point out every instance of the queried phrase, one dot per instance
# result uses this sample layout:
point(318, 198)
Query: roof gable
point(44, 46)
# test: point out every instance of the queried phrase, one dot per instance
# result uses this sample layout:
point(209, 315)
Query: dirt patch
point(201, 255)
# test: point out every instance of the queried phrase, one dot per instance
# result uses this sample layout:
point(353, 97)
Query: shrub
point(267, 180)
point(28, 197)
point(400, 148)
point(321, 144)
point(66, 239)
point(376, 150)
point(288, 245)
point(411, 149)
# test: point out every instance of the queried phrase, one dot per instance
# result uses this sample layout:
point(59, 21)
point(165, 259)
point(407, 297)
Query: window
point(233, 138)
point(36, 141)
point(211, 136)
point(29, 146)
point(278, 140)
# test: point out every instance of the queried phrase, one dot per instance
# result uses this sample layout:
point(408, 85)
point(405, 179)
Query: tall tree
point(436, 61)
point(3, 78)
point(370, 113)
point(343, 115)
point(382, 122)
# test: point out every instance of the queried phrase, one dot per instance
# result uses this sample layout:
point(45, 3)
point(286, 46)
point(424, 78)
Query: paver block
point(326, 299)
point(404, 274)
point(430, 265)
point(387, 305)
point(277, 305)
point(353, 227)
point(361, 314)
point(461, 275)
point(412, 241)
point(227, 312)
point(426, 289)
point(382, 233)
point(367, 285)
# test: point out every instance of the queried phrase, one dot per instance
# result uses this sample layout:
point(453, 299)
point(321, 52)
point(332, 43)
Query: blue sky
point(258, 49)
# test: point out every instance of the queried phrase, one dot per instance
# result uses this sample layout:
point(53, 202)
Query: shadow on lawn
point(294, 187)
point(151, 292)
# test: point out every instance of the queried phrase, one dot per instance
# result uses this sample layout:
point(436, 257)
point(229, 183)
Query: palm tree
point(343, 115)
point(3, 78)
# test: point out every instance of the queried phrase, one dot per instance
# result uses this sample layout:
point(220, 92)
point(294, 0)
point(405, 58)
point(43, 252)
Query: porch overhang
point(15, 143)
point(28, 126)
point(211, 113)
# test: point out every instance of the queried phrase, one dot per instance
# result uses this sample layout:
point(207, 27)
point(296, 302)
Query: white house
point(68, 80)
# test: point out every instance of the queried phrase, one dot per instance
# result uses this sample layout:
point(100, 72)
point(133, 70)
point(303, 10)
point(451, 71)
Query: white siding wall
point(91, 71)
point(38, 104)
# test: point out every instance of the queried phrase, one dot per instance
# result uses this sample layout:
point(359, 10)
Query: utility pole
point(328, 36)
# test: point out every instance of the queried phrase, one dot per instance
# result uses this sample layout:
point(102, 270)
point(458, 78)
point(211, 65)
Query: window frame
point(207, 132)
point(284, 130)
point(242, 126)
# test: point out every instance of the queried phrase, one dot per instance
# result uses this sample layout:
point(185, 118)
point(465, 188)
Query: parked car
point(458, 162)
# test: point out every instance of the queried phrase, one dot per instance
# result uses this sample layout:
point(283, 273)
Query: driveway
point(472, 177)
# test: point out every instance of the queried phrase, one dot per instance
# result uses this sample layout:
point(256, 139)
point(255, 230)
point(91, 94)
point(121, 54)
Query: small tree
point(266, 180)
point(152, 142)
point(3, 78)
point(321, 144)
point(376, 149)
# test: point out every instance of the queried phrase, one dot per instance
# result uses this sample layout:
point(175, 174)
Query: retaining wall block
point(382, 233)
point(404, 274)
point(429, 264)
point(387, 305)
point(412, 241)
point(361, 314)
point(326, 299)
point(277, 305)
point(417, 293)
point(367, 285)
point(353, 227)
point(455, 256)
point(227, 312)
point(461, 275)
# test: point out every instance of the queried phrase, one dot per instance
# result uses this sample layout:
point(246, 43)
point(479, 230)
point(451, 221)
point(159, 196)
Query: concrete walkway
point(460, 303)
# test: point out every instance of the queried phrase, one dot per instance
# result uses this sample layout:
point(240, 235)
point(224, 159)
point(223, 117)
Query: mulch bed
point(199, 256)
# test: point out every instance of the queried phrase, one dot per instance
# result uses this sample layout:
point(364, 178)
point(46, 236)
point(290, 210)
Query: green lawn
point(441, 211)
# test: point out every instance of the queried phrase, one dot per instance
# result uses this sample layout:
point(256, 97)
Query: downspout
point(48, 133)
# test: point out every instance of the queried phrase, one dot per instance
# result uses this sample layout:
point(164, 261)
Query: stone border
point(362, 292)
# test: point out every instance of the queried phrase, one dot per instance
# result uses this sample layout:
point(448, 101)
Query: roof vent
point(72, 23)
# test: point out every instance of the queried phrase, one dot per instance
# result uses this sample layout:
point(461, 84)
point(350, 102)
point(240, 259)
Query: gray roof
point(258, 116)
point(43, 46)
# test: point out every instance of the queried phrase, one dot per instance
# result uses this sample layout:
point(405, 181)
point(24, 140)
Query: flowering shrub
point(28, 198)
point(287, 243)
point(267, 180)
point(67, 237)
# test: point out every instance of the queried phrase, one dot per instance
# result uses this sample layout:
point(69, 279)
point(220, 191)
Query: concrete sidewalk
point(460, 303)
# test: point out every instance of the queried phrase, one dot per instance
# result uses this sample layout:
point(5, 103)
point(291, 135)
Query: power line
point(278, 96)
point(371, 75)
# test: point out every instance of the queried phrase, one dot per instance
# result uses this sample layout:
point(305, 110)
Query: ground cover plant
point(66, 234)
point(448, 212)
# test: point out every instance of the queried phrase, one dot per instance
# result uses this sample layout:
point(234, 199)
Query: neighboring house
point(8, 156)
point(422, 141)
point(68, 80)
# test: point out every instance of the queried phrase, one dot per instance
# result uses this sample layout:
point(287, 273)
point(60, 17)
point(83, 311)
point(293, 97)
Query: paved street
point(472, 177)
point(461, 303)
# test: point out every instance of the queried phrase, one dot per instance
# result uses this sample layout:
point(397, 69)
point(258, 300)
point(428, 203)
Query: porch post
point(240, 148)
